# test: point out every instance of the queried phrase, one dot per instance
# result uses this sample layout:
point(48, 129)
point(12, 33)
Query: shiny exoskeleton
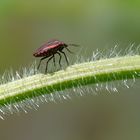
point(49, 49)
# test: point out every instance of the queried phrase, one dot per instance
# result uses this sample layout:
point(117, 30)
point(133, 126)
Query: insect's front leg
point(65, 57)
point(69, 50)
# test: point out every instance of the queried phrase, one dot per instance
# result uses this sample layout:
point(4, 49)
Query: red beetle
point(49, 49)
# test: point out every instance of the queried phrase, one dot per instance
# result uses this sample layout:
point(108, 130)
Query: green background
point(94, 24)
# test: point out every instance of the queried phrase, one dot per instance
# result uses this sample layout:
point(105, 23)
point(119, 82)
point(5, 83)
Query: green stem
point(105, 70)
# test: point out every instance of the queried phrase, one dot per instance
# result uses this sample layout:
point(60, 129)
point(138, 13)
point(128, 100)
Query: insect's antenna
point(75, 45)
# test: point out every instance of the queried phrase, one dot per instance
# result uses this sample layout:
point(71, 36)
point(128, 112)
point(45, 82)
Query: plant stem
point(105, 70)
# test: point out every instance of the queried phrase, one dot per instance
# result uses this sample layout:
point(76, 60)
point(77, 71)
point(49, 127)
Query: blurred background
point(94, 24)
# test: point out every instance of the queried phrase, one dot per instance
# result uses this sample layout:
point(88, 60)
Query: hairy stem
point(92, 72)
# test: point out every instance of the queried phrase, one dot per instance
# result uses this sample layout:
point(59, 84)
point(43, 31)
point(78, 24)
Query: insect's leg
point(59, 59)
point(65, 57)
point(54, 60)
point(40, 62)
point(47, 63)
point(68, 50)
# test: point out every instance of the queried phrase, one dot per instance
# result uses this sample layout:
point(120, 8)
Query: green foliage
point(93, 72)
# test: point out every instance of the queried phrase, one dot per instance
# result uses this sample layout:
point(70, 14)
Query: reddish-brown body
point(51, 48)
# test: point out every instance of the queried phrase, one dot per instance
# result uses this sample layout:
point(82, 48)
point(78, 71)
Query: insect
point(49, 49)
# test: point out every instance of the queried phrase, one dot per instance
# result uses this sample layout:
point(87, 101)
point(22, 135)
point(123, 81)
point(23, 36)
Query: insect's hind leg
point(65, 57)
point(40, 62)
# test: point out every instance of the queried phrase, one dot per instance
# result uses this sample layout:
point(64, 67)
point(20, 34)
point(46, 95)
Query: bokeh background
point(94, 24)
